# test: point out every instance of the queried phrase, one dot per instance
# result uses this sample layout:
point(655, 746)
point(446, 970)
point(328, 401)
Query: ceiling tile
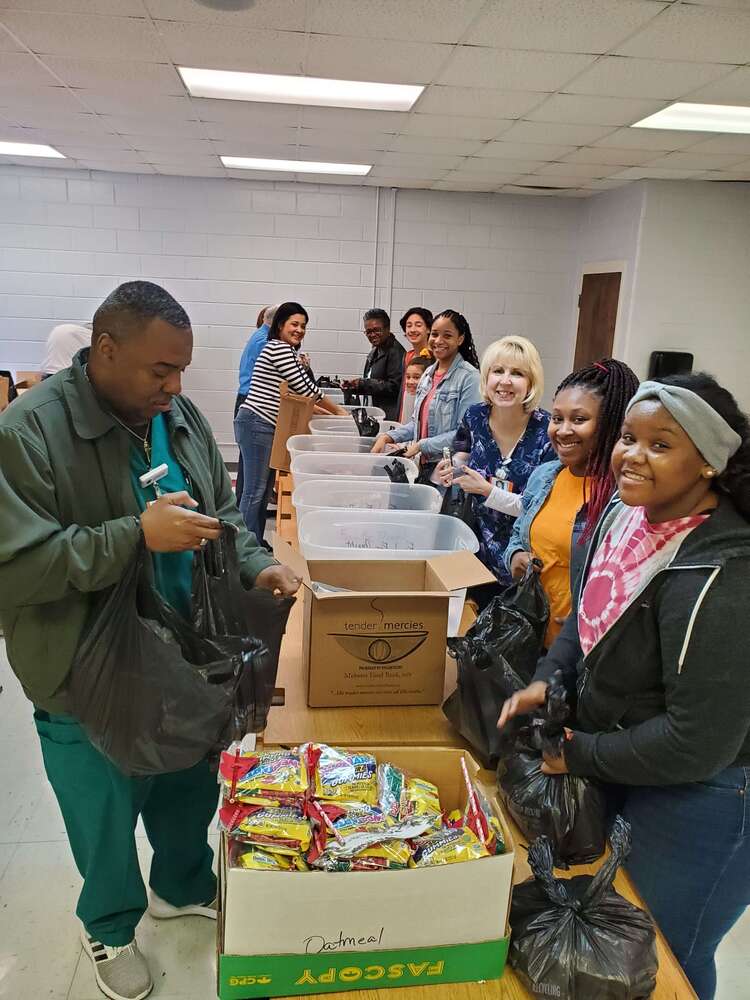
point(422, 173)
point(489, 166)
point(419, 183)
point(41, 119)
point(157, 106)
point(359, 59)
point(695, 33)
point(534, 180)
point(339, 154)
point(578, 109)
point(649, 138)
point(503, 149)
point(221, 46)
point(548, 132)
point(158, 156)
point(252, 114)
point(117, 166)
point(360, 140)
point(554, 26)
point(658, 173)
point(84, 35)
point(431, 144)
point(187, 144)
point(603, 155)
point(189, 169)
point(95, 153)
point(459, 184)
point(460, 127)
point(604, 184)
point(531, 190)
point(733, 89)
point(7, 43)
point(43, 99)
point(107, 76)
point(226, 132)
point(695, 160)
point(22, 70)
point(394, 19)
point(124, 8)
point(512, 69)
point(580, 170)
point(349, 120)
point(473, 101)
point(722, 144)
point(95, 139)
point(130, 125)
point(445, 162)
point(280, 15)
point(619, 76)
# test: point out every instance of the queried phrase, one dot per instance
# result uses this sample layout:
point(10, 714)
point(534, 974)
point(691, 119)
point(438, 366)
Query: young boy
point(414, 372)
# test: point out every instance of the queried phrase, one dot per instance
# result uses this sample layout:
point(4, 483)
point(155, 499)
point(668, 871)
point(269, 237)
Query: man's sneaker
point(163, 910)
point(121, 973)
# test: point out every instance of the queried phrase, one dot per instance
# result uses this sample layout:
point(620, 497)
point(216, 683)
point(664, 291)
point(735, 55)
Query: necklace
point(143, 441)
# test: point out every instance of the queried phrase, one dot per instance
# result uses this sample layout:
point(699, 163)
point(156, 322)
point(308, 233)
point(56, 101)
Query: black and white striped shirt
point(277, 363)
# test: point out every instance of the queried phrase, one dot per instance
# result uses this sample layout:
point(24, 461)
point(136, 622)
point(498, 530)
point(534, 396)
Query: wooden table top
point(426, 726)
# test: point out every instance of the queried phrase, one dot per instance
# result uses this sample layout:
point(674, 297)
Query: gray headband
point(709, 432)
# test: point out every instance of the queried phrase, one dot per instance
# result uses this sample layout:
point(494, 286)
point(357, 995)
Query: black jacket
point(384, 370)
point(664, 697)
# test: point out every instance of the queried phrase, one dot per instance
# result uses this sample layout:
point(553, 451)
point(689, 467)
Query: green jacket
point(67, 511)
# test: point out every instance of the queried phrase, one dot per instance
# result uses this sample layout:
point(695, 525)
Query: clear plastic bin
point(328, 443)
point(372, 411)
point(353, 495)
point(376, 534)
point(346, 466)
point(345, 425)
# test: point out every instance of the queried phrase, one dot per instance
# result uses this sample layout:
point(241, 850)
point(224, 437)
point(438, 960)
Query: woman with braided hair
point(444, 393)
point(564, 499)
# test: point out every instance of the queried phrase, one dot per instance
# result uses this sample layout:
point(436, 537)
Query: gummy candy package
point(343, 776)
point(258, 859)
point(270, 777)
point(421, 799)
point(446, 847)
point(284, 829)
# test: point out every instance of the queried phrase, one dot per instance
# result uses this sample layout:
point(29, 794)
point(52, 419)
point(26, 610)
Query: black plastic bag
point(527, 596)
point(154, 692)
point(366, 425)
point(396, 472)
point(570, 811)
point(578, 939)
point(484, 681)
point(510, 633)
point(457, 503)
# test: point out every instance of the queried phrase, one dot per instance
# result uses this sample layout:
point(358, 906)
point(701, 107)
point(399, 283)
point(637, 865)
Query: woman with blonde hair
point(506, 439)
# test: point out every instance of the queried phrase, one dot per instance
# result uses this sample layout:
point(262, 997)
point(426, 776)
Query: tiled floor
point(40, 954)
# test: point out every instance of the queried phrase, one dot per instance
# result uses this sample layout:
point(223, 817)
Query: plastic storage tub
point(372, 411)
point(345, 425)
point(353, 495)
point(346, 466)
point(328, 443)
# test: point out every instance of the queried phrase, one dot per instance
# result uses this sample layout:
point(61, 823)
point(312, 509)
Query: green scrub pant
point(100, 807)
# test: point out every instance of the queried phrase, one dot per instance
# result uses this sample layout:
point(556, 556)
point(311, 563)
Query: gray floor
point(40, 954)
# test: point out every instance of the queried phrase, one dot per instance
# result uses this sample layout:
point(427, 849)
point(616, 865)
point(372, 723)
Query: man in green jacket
point(73, 512)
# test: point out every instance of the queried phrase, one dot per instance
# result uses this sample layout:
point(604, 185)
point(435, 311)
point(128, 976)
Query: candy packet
point(271, 776)
point(258, 859)
point(284, 829)
point(341, 776)
point(447, 847)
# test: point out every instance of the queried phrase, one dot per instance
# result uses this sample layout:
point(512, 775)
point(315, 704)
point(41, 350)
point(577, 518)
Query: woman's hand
point(413, 450)
point(472, 481)
point(380, 444)
point(523, 702)
point(444, 471)
point(520, 563)
point(341, 411)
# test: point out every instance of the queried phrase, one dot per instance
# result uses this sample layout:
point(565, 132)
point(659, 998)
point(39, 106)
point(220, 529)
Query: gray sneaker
point(121, 973)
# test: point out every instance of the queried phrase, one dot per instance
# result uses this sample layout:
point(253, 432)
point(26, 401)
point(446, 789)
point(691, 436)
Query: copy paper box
point(379, 637)
point(294, 418)
point(294, 933)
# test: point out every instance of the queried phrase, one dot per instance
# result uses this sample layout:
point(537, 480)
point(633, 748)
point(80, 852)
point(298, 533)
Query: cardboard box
point(4, 389)
point(384, 645)
point(293, 933)
point(294, 418)
point(26, 380)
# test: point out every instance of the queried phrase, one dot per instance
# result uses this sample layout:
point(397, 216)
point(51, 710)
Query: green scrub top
point(173, 571)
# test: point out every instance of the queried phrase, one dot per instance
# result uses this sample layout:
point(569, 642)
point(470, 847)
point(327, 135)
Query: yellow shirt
point(551, 532)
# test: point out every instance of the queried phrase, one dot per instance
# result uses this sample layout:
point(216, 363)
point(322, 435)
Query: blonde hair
point(522, 354)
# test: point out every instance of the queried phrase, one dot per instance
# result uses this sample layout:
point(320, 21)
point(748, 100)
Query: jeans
point(691, 864)
point(254, 435)
point(238, 486)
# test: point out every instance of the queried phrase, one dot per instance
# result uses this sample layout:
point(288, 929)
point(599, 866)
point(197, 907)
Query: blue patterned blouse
point(534, 448)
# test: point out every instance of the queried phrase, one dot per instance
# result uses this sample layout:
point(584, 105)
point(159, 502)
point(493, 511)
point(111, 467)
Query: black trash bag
point(396, 472)
point(366, 425)
point(457, 503)
point(484, 681)
point(570, 811)
point(577, 938)
point(527, 596)
point(510, 633)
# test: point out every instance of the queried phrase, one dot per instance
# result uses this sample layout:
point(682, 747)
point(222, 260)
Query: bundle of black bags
point(570, 811)
point(577, 938)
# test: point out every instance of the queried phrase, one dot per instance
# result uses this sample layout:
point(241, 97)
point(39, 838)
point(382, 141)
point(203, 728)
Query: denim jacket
point(538, 488)
point(458, 390)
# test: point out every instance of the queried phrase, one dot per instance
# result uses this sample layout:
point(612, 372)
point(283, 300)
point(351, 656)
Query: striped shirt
point(277, 363)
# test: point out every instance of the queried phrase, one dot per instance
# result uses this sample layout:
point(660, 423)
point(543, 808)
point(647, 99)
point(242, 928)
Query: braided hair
point(614, 384)
point(467, 350)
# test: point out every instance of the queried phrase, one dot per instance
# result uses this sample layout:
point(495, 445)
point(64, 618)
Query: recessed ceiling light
point(234, 86)
point(296, 166)
point(28, 149)
point(700, 118)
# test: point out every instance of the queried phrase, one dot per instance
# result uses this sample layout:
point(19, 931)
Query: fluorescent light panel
point(28, 149)
point(296, 166)
point(699, 118)
point(234, 86)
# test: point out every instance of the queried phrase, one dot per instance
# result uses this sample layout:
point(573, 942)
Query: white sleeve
point(505, 502)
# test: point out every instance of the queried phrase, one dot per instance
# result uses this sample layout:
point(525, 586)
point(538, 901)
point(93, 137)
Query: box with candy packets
point(344, 870)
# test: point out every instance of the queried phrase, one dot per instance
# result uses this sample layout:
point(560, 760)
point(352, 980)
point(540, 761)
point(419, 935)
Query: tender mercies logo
point(381, 647)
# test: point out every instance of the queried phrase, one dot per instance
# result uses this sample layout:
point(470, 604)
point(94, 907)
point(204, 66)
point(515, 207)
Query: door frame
point(603, 267)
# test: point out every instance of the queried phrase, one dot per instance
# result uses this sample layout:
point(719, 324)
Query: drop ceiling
point(527, 96)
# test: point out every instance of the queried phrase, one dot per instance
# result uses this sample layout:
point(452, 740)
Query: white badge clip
point(152, 477)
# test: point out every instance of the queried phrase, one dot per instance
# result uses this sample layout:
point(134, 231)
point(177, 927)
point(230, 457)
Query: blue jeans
point(254, 435)
point(691, 864)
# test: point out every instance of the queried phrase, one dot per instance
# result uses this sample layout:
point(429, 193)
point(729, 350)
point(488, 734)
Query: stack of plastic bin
point(333, 467)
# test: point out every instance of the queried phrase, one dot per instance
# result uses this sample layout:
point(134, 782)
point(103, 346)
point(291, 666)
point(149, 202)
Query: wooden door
point(597, 315)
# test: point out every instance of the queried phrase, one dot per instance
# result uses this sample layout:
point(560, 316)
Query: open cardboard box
point(292, 933)
point(385, 645)
point(294, 418)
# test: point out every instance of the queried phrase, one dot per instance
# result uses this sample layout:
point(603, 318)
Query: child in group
point(414, 372)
